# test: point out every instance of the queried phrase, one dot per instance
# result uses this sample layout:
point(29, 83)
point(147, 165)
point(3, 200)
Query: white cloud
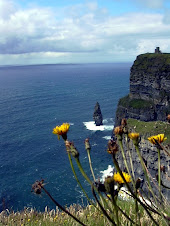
point(152, 3)
point(86, 32)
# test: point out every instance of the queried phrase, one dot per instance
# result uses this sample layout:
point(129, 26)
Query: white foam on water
point(91, 126)
point(71, 124)
point(107, 172)
point(107, 137)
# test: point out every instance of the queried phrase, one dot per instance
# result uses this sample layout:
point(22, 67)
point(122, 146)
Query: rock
point(150, 155)
point(97, 115)
point(149, 97)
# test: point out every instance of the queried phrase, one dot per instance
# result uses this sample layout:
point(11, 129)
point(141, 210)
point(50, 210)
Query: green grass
point(150, 61)
point(150, 128)
point(88, 215)
point(135, 103)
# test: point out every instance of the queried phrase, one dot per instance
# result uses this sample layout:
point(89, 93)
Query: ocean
point(35, 99)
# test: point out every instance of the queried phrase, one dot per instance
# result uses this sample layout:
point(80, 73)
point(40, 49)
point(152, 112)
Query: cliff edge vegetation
point(149, 95)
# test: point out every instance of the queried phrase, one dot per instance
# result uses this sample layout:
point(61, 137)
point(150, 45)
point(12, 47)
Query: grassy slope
point(150, 128)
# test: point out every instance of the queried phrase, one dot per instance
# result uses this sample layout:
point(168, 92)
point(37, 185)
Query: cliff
point(149, 154)
point(149, 97)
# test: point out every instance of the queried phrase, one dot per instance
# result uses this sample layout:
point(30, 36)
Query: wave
point(108, 120)
point(91, 126)
point(107, 137)
point(107, 172)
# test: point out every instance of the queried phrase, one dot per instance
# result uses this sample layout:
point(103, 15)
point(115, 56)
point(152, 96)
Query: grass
point(150, 128)
point(135, 103)
point(88, 215)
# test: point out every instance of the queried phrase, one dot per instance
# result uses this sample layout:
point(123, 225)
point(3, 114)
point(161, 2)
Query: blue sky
point(81, 31)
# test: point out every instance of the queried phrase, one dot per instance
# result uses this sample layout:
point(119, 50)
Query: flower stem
point(159, 171)
point(62, 208)
point(130, 156)
point(145, 172)
point(72, 167)
point(82, 171)
point(88, 153)
point(103, 210)
point(124, 158)
point(134, 196)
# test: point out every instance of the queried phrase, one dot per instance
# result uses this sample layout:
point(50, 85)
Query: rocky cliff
point(150, 156)
point(149, 97)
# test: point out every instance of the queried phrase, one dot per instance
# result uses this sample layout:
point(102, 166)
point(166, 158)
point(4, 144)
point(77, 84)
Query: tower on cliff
point(157, 50)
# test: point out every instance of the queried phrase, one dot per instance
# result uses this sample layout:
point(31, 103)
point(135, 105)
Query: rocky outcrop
point(150, 156)
point(149, 97)
point(97, 115)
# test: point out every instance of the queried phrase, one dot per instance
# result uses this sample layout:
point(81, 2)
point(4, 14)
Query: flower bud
point(87, 144)
point(109, 184)
point(124, 122)
point(112, 147)
point(71, 149)
point(118, 132)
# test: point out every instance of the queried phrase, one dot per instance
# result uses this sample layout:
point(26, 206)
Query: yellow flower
point(160, 138)
point(133, 136)
point(62, 130)
point(28, 220)
point(117, 177)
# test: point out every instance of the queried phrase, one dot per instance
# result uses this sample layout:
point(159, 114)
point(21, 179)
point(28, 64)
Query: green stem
point(103, 210)
point(82, 171)
point(130, 157)
point(159, 170)
point(62, 208)
point(88, 153)
point(134, 196)
point(115, 207)
point(88, 180)
point(145, 172)
point(124, 158)
point(72, 167)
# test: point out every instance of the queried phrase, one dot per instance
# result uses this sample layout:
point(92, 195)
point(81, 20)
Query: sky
point(81, 31)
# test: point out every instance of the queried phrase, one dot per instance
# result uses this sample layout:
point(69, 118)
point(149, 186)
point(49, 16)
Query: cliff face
point(149, 97)
point(149, 153)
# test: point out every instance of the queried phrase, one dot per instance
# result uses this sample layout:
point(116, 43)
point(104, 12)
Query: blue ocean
point(35, 99)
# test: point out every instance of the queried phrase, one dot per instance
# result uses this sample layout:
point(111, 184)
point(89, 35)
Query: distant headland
point(149, 97)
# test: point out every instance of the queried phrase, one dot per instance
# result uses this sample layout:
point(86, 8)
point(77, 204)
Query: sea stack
point(97, 115)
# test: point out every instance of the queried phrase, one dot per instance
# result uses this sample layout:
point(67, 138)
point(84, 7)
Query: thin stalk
point(145, 172)
point(136, 209)
point(91, 168)
point(134, 196)
point(115, 207)
point(82, 171)
point(72, 167)
point(62, 208)
point(88, 180)
point(130, 157)
point(124, 158)
point(103, 210)
point(159, 171)
point(125, 215)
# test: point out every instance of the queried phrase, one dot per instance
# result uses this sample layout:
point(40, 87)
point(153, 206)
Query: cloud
point(153, 4)
point(83, 32)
